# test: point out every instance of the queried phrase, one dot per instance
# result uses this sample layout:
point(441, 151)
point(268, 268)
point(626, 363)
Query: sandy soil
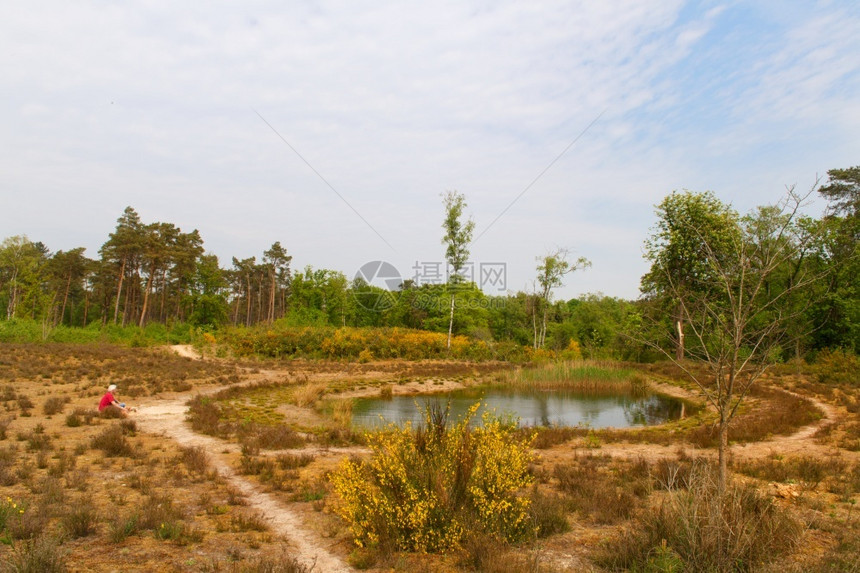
point(167, 417)
point(800, 443)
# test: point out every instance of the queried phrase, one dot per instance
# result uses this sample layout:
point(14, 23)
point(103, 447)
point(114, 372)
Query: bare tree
point(739, 312)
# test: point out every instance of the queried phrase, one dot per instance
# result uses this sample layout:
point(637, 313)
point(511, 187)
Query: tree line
point(156, 272)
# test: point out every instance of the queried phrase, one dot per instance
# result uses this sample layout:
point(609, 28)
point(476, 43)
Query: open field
point(225, 467)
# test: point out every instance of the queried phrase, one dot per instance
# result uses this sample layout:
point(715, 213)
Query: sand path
point(167, 418)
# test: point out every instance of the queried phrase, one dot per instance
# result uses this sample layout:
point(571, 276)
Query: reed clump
point(581, 375)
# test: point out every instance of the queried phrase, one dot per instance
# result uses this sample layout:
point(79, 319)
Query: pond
point(532, 407)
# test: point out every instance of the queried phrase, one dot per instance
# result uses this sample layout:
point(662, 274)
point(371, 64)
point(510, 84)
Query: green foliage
point(605, 328)
point(155, 276)
point(843, 191)
point(551, 270)
point(424, 489)
point(836, 312)
point(458, 235)
point(153, 334)
point(693, 230)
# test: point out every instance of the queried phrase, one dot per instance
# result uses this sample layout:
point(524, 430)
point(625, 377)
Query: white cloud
point(152, 105)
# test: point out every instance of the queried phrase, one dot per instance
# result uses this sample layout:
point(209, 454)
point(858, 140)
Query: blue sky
point(155, 105)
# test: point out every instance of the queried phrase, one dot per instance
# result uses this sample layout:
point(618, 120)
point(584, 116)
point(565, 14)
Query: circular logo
point(376, 285)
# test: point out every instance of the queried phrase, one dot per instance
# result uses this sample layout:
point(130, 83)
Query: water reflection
point(533, 408)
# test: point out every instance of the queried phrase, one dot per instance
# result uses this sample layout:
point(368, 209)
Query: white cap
point(112, 387)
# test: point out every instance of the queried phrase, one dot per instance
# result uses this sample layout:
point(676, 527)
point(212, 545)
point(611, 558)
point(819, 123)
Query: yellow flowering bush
point(423, 488)
point(348, 343)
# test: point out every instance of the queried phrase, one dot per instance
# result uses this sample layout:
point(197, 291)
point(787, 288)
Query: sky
point(335, 127)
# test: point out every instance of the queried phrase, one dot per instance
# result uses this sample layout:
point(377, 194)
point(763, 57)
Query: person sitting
point(110, 401)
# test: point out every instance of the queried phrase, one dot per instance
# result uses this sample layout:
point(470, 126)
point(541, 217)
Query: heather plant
point(698, 528)
point(425, 488)
point(54, 405)
point(38, 555)
point(112, 441)
point(81, 519)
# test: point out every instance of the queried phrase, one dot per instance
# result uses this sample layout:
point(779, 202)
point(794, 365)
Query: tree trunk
point(451, 322)
point(65, 299)
point(723, 454)
point(163, 294)
point(679, 325)
point(543, 326)
point(86, 304)
point(145, 300)
point(272, 300)
point(236, 310)
point(119, 290)
point(248, 296)
point(10, 308)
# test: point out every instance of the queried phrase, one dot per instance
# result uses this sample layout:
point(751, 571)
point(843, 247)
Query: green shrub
point(282, 340)
point(29, 331)
point(423, 489)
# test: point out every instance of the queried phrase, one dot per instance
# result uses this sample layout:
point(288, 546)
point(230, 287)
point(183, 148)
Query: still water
point(532, 407)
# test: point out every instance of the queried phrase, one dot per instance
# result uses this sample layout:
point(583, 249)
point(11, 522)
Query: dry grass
point(84, 483)
point(156, 506)
point(697, 529)
point(308, 394)
point(777, 413)
point(806, 471)
point(603, 490)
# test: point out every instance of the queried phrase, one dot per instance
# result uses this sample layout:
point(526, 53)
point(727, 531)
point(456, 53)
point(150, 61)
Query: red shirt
point(106, 401)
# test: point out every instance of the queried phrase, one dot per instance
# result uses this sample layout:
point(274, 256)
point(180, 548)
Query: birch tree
point(457, 237)
point(551, 270)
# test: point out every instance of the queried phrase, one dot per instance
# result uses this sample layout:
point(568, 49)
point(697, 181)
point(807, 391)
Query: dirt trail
point(186, 351)
point(800, 443)
point(167, 418)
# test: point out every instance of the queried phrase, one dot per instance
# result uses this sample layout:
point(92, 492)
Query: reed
point(585, 375)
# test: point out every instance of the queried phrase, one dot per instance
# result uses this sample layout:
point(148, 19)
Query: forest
point(155, 273)
point(240, 448)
